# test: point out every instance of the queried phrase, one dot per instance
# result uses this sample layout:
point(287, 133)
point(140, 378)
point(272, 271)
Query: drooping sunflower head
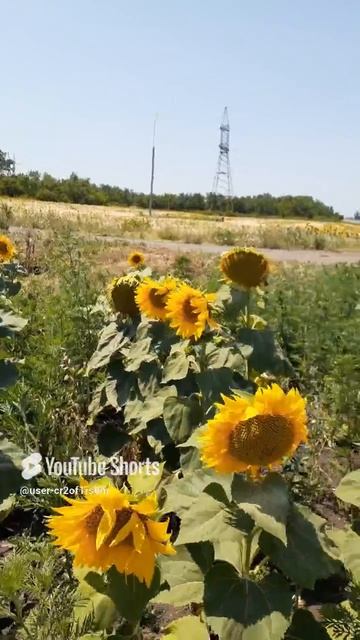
point(122, 295)
point(152, 295)
point(136, 259)
point(7, 249)
point(188, 311)
point(252, 433)
point(245, 267)
point(112, 528)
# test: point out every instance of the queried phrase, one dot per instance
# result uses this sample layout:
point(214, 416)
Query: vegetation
point(97, 378)
point(80, 190)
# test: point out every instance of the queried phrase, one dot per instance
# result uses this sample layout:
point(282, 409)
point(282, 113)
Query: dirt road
point(277, 255)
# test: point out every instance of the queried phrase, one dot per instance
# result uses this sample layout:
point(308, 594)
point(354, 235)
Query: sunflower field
point(188, 451)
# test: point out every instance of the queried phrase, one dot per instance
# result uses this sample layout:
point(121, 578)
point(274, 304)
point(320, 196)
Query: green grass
point(316, 314)
point(46, 411)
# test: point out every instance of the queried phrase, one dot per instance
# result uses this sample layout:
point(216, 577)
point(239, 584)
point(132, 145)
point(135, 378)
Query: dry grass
point(194, 228)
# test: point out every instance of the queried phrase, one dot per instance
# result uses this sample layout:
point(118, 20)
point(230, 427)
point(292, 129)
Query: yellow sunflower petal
point(136, 259)
point(152, 295)
point(116, 530)
point(189, 311)
point(254, 433)
point(7, 249)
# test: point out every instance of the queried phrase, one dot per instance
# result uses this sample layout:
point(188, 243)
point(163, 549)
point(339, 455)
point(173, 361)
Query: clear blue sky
point(81, 81)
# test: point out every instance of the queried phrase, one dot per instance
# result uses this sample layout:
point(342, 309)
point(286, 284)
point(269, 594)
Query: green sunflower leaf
point(266, 355)
point(129, 595)
point(182, 416)
point(305, 627)
point(181, 494)
point(10, 468)
point(267, 502)
point(238, 608)
point(212, 383)
point(140, 412)
point(349, 488)
point(8, 373)
point(177, 363)
point(110, 342)
point(184, 574)
point(208, 519)
point(138, 353)
point(348, 545)
point(185, 628)
point(10, 323)
point(91, 602)
point(305, 558)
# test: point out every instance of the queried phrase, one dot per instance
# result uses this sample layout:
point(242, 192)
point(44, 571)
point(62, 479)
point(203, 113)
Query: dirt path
point(277, 255)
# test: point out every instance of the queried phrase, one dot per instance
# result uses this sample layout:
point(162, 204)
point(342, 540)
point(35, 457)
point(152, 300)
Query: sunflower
point(136, 259)
point(122, 295)
point(251, 433)
point(112, 528)
point(188, 311)
point(7, 249)
point(245, 267)
point(152, 295)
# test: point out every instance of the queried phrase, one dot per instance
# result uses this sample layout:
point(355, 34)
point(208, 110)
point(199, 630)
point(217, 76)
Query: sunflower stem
point(248, 309)
point(247, 318)
point(248, 548)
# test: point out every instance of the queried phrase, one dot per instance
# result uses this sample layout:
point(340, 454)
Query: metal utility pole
point(222, 184)
point(152, 169)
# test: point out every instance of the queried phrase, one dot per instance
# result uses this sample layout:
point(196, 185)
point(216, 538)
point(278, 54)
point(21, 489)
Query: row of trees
point(82, 191)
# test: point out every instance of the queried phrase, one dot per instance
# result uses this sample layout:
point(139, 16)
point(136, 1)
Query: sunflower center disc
point(261, 440)
point(3, 247)
point(189, 311)
point(92, 521)
point(122, 518)
point(158, 299)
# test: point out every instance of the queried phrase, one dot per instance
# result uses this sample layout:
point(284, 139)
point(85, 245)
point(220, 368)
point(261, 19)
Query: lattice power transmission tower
point(222, 185)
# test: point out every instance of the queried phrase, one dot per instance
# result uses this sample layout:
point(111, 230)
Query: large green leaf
point(305, 559)
point(186, 628)
point(182, 493)
point(8, 373)
point(348, 545)
point(349, 488)
point(91, 603)
point(185, 575)
point(213, 382)
point(129, 595)
point(182, 416)
point(208, 519)
point(140, 412)
point(266, 355)
point(6, 507)
point(219, 357)
point(240, 609)
point(10, 465)
point(110, 342)
point(97, 404)
point(144, 482)
point(148, 378)
point(118, 384)
point(305, 627)
point(111, 438)
point(267, 502)
point(138, 353)
point(177, 363)
point(10, 323)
